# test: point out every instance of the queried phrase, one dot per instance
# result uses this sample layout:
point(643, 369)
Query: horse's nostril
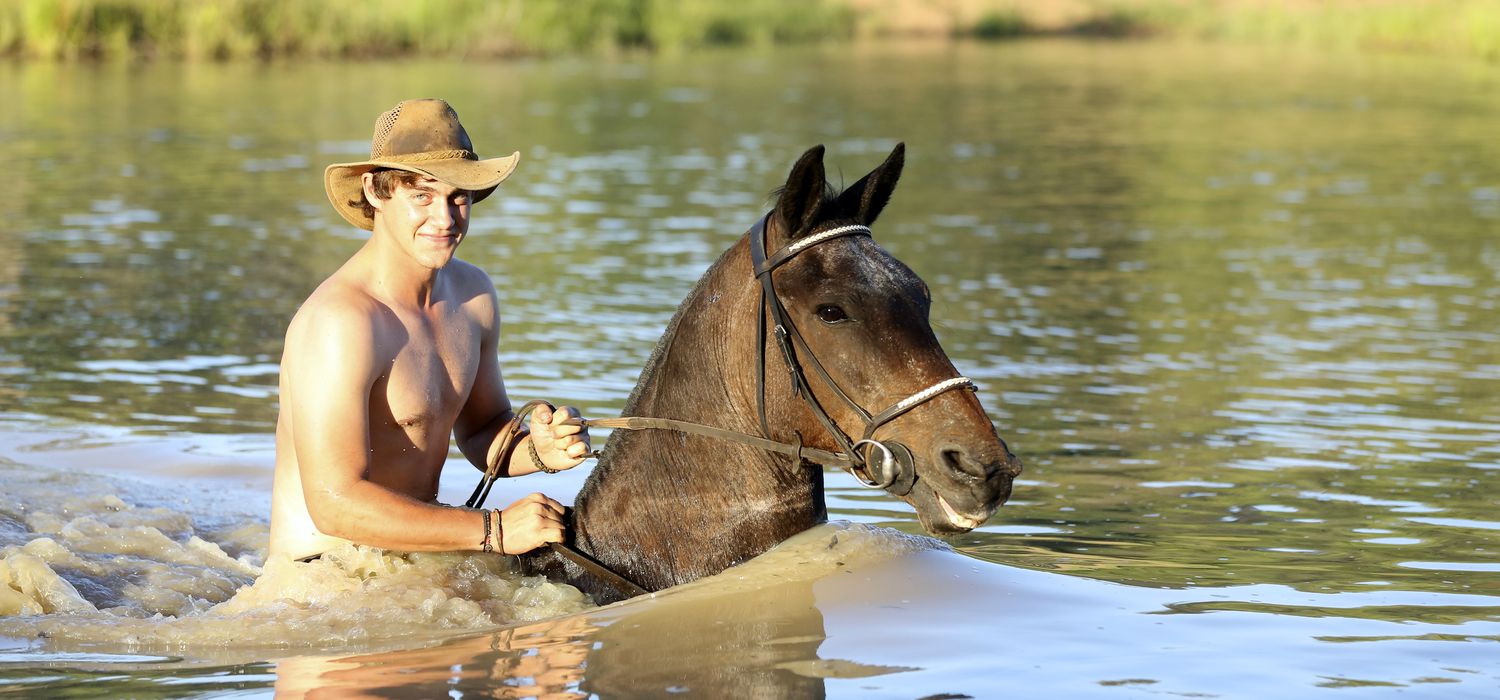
point(981, 464)
point(959, 460)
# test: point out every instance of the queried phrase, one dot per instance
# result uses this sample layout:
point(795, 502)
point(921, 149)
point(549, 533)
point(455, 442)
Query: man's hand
point(558, 443)
point(530, 523)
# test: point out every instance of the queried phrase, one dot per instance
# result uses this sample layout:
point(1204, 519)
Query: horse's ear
point(800, 199)
point(864, 200)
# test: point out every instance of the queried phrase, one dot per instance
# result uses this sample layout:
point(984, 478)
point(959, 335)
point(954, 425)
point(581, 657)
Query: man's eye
point(828, 313)
point(421, 198)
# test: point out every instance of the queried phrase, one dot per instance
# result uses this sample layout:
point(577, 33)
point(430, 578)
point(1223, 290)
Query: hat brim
point(344, 185)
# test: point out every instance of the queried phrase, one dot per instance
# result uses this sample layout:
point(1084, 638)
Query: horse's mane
point(653, 361)
point(648, 372)
point(831, 207)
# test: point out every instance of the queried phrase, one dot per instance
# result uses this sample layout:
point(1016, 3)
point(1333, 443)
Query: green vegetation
point(1001, 25)
point(230, 29)
point(225, 29)
point(1437, 26)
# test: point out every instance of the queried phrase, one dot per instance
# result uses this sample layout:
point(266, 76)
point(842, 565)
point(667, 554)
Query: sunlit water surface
point(1235, 309)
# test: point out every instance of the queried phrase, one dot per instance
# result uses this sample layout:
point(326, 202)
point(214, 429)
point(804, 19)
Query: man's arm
point(334, 364)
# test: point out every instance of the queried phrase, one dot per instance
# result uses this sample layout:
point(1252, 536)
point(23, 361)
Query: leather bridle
point(896, 471)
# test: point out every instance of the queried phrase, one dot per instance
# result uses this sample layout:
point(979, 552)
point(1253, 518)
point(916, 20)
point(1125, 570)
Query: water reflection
point(531, 661)
point(754, 633)
point(760, 643)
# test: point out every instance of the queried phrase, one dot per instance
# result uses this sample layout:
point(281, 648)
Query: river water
point(1234, 308)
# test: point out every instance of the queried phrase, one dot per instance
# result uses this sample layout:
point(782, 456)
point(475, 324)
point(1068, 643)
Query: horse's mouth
point(957, 519)
point(940, 517)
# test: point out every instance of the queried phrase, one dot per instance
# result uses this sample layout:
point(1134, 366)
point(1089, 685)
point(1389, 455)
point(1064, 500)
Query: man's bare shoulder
point(470, 280)
point(341, 317)
point(473, 289)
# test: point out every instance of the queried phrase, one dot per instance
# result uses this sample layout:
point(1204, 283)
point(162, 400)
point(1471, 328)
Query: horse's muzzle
point(967, 486)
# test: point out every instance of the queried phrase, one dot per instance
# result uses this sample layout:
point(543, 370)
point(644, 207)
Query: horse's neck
point(702, 370)
point(687, 504)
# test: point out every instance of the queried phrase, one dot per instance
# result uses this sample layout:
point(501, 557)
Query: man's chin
point(438, 259)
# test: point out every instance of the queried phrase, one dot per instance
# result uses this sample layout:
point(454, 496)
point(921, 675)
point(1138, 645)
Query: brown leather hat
point(422, 136)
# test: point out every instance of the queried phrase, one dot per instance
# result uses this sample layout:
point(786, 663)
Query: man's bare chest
point(430, 376)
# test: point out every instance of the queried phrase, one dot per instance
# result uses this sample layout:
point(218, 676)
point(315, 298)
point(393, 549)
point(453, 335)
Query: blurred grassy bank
point(232, 29)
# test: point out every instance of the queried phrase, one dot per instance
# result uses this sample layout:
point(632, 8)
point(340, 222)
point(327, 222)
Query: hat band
point(427, 156)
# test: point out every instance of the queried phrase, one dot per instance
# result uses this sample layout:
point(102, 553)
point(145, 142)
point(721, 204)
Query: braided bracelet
point(485, 544)
point(536, 459)
point(499, 533)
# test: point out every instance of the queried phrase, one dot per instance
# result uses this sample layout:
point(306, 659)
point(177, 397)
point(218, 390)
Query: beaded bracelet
point(485, 544)
point(536, 459)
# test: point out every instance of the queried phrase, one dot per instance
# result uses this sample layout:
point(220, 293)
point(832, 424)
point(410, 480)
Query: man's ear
point(367, 182)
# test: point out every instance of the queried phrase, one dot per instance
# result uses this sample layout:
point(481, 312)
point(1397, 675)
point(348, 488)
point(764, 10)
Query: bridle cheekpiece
point(896, 471)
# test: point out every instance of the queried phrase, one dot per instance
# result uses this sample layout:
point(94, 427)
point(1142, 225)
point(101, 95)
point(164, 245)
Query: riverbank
point(248, 29)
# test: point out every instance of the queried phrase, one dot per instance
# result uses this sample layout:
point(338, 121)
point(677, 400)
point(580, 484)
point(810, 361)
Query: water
point(1234, 308)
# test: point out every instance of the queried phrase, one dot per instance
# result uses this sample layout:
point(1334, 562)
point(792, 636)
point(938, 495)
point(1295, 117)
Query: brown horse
point(663, 508)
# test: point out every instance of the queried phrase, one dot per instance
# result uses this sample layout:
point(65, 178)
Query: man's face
point(428, 219)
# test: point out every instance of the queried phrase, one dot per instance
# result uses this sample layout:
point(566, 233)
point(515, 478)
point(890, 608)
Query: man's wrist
point(536, 459)
point(499, 537)
point(506, 453)
point(494, 531)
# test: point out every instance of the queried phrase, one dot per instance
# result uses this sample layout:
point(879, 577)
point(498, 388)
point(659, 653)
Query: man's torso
point(430, 359)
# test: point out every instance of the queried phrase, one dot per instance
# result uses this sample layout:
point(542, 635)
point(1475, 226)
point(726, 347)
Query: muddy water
point(1235, 309)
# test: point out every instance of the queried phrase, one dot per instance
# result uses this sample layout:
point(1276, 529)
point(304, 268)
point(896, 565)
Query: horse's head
point(863, 316)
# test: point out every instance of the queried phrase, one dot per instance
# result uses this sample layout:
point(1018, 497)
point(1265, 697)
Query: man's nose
point(444, 215)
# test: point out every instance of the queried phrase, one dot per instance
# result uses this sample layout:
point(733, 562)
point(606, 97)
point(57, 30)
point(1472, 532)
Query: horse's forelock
point(832, 208)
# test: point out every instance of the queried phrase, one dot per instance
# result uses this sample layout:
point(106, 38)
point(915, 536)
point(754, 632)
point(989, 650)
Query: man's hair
point(384, 184)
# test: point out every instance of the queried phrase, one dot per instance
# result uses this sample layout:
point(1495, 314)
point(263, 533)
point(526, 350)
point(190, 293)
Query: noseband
point(896, 470)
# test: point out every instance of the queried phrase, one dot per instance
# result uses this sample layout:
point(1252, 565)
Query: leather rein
point(895, 472)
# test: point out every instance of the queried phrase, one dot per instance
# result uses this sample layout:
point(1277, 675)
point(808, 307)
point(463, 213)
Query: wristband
point(536, 459)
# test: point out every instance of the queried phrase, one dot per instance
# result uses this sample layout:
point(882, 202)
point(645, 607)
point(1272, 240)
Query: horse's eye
point(828, 313)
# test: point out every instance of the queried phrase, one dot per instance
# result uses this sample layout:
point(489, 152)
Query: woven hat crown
point(418, 130)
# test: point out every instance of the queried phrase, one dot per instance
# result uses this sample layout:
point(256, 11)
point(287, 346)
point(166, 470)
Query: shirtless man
point(396, 350)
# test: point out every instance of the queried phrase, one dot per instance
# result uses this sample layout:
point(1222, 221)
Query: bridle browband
point(896, 471)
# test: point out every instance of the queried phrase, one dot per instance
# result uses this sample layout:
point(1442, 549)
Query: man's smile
point(440, 238)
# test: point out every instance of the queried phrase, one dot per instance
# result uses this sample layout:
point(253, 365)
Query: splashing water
point(103, 565)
